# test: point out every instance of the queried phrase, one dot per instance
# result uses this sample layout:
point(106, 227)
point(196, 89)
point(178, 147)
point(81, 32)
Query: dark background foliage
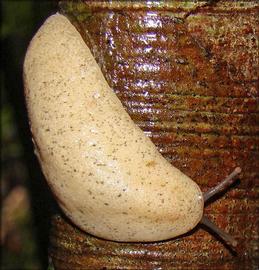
point(25, 199)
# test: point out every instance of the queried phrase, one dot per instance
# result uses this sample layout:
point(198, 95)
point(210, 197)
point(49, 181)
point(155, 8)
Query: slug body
point(108, 177)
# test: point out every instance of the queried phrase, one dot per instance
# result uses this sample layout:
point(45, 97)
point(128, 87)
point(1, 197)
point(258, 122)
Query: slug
point(107, 176)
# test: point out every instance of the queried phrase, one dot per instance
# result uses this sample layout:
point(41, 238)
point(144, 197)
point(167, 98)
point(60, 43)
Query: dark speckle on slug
point(151, 163)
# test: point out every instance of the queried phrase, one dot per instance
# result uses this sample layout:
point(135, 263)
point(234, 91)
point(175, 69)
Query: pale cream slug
point(109, 178)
